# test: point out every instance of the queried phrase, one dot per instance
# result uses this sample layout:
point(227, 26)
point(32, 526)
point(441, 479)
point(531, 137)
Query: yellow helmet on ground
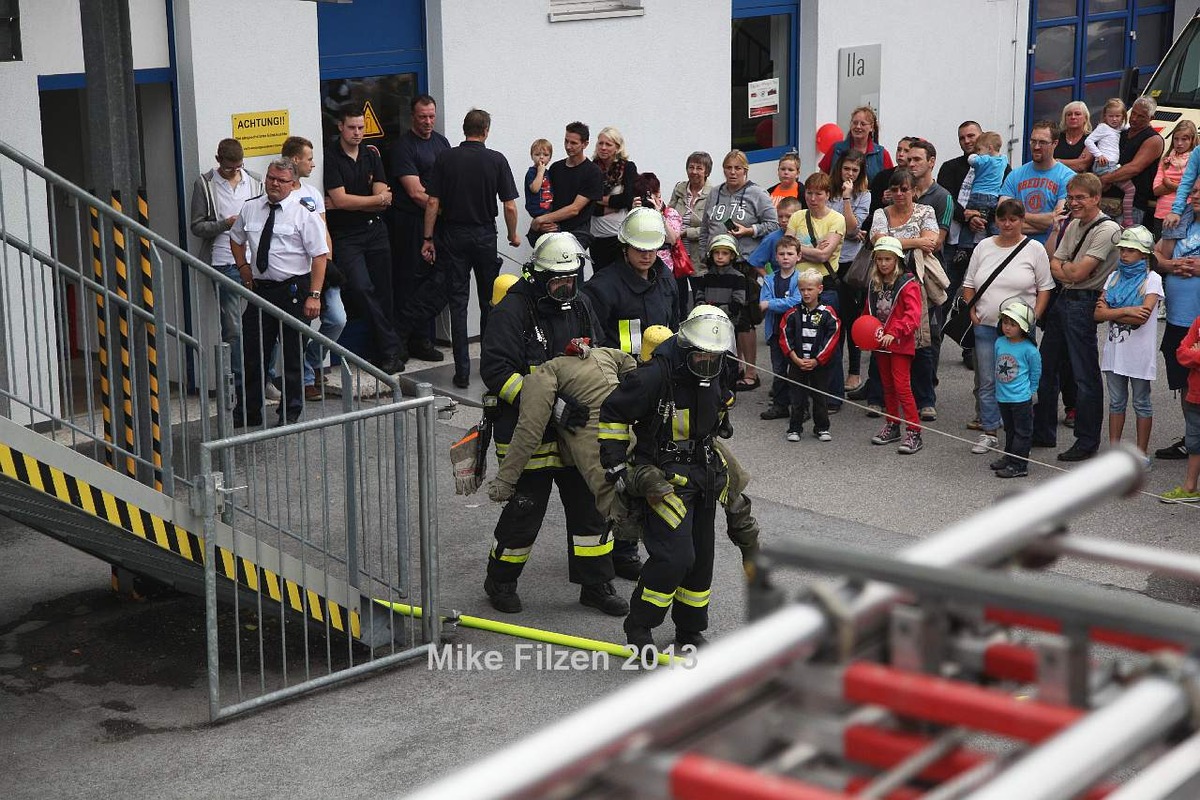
point(501, 286)
point(652, 337)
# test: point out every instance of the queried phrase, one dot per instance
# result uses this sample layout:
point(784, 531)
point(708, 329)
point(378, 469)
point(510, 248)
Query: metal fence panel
point(307, 543)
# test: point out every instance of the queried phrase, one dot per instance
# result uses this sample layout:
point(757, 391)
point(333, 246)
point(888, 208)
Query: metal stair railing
point(108, 338)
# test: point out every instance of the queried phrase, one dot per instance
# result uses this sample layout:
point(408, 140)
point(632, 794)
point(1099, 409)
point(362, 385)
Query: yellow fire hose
point(525, 632)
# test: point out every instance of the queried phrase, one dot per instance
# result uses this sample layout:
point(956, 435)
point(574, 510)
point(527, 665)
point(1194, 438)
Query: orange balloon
point(828, 135)
point(865, 332)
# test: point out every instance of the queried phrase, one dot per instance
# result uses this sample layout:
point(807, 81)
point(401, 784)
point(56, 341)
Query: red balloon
point(828, 135)
point(865, 332)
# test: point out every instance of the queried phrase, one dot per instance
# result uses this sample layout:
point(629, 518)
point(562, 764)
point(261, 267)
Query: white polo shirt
point(310, 198)
point(297, 238)
point(228, 201)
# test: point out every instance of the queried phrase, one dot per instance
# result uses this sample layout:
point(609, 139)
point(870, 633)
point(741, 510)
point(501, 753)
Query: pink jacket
point(1188, 356)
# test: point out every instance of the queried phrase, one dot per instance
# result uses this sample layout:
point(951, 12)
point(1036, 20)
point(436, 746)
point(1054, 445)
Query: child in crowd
point(724, 282)
point(1018, 370)
point(763, 256)
point(539, 195)
point(988, 175)
point(1170, 168)
point(808, 337)
point(780, 293)
point(788, 186)
point(894, 298)
point(1188, 355)
point(1127, 304)
point(1104, 143)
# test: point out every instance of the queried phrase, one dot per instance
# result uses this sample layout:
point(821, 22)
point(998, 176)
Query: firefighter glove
point(570, 413)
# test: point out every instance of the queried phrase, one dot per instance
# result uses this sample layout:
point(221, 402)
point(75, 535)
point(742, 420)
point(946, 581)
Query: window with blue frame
point(1080, 49)
point(763, 78)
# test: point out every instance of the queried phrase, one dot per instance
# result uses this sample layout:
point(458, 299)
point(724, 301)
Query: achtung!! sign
point(262, 133)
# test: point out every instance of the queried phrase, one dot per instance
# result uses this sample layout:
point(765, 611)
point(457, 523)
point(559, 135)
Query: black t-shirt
point(355, 175)
point(1143, 182)
point(1065, 151)
point(412, 155)
point(466, 180)
point(570, 182)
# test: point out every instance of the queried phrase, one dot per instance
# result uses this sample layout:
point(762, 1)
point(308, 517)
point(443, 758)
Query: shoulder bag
point(958, 325)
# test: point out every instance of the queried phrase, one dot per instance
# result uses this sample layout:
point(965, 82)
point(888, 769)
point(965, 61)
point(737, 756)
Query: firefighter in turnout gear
point(675, 405)
point(534, 322)
point(589, 375)
point(629, 297)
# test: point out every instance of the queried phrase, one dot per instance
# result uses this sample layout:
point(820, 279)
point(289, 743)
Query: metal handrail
point(186, 258)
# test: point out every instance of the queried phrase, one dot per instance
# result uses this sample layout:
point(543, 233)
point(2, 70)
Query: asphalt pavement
point(106, 696)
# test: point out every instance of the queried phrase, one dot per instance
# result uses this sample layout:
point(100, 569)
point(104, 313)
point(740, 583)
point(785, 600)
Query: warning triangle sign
point(373, 129)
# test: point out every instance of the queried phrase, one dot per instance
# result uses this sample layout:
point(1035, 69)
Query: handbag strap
point(812, 234)
point(996, 273)
point(1083, 236)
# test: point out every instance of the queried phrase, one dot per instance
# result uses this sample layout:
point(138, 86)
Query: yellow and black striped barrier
point(156, 530)
point(151, 341)
point(122, 290)
point(106, 405)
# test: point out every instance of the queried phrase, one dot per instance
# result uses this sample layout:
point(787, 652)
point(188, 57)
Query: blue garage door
point(372, 51)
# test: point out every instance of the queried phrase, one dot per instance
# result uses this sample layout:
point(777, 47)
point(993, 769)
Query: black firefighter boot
point(604, 597)
point(502, 596)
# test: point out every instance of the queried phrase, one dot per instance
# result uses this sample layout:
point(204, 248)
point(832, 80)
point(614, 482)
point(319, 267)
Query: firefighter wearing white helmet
point(629, 296)
point(535, 321)
point(673, 406)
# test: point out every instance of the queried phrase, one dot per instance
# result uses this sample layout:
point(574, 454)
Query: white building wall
point(52, 44)
point(942, 62)
point(662, 79)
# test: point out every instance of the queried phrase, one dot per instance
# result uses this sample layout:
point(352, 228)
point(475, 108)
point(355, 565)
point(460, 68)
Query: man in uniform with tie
point(285, 267)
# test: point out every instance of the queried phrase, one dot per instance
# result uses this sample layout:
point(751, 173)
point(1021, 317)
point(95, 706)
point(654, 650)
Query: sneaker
point(1012, 471)
point(1075, 453)
point(628, 568)
point(1179, 495)
point(775, 412)
point(1069, 418)
point(984, 444)
point(823, 436)
point(1176, 451)
point(975, 425)
point(604, 597)
point(694, 638)
point(911, 444)
point(999, 463)
point(793, 436)
point(874, 410)
point(503, 596)
point(928, 414)
point(889, 433)
point(272, 393)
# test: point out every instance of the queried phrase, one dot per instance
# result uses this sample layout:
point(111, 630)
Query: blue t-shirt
point(1183, 294)
point(539, 202)
point(764, 254)
point(1018, 370)
point(1039, 190)
point(989, 172)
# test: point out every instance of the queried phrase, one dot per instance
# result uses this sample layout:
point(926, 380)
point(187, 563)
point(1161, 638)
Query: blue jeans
point(1071, 328)
point(231, 319)
point(837, 371)
point(985, 377)
point(333, 322)
point(1118, 395)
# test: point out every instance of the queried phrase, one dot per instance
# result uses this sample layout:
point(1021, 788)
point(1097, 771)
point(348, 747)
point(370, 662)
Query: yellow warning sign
point(262, 133)
point(373, 129)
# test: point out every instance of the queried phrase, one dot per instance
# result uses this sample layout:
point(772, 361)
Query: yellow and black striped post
point(143, 217)
point(122, 289)
point(106, 406)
